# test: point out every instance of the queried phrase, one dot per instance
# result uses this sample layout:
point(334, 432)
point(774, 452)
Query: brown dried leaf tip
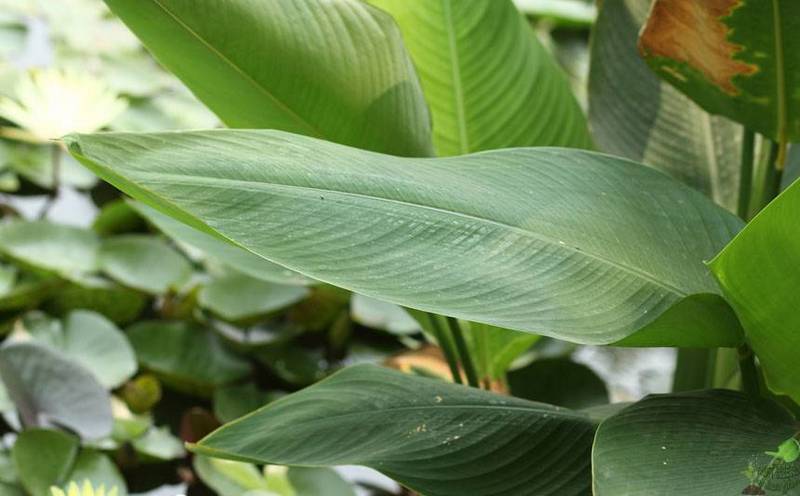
point(692, 32)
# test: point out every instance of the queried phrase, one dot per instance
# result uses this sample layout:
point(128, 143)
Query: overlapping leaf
point(435, 437)
point(733, 57)
point(489, 82)
point(759, 272)
point(573, 244)
point(334, 69)
point(703, 442)
point(634, 114)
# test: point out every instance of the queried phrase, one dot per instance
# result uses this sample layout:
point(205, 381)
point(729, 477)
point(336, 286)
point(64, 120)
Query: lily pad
point(188, 358)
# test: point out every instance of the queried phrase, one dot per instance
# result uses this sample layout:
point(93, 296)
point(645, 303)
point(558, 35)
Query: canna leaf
point(565, 243)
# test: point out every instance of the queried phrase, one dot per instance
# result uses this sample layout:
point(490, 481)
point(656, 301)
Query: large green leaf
point(49, 389)
point(634, 114)
point(574, 244)
point(435, 437)
point(697, 443)
point(334, 69)
point(489, 82)
point(733, 57)
point(220, 249)
point(759, 271)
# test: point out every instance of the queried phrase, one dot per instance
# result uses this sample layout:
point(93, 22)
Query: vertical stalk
point(463, 351)
point(747, 366)
point(772, 179)
point(446, 345)
point(746, 176)
point(695, 369)
point(769, 188)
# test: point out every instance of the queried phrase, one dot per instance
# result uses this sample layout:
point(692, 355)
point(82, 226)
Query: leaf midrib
point(247, 78)
point(780, 72)
point(458, 91)
point(544, 413)
point(264, 186)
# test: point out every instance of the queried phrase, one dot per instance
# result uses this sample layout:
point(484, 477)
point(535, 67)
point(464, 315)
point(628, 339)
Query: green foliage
point(750, 73)
point(43, 458)
point(423, 432)
point(189, 358)
point(361, 90)
point(488, 80)
point(231, 270)
point(691, 443)
point(608, 225)
point(758, 272)
point(635, 115)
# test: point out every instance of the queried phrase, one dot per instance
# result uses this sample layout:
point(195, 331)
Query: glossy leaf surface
point(420, 233)
point(435, 437)
point(760, 273)
point(634, 114)
point(360, 90)
point(699, 442)
point(488, 80)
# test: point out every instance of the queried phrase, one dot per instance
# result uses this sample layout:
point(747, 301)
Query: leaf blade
point(309, 85)
point(430, 435)
point(563, 213)
point(489, 81)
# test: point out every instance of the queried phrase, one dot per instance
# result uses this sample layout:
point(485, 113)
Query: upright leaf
point(494, 348)
point(489, 82)
point(635, 115)
point(573, 244)
point(435, 437)
point(759, 271)
point(733, 57)
point(702, 442)
point(334, 69)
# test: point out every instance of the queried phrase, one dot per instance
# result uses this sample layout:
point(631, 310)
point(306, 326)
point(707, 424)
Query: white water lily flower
point(87, 490)
point(52, 103)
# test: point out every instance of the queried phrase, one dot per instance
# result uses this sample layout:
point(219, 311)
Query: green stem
point(463, 351)
point(746, 176)
point(695, 369)
point(447, 347)
point(749, 372)
point(771, 186)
